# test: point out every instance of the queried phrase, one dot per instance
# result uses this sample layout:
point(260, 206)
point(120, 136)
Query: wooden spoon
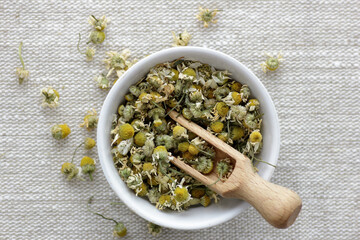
point(278, 205)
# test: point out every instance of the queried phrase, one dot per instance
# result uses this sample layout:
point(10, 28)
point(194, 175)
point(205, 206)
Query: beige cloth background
point(316, 93)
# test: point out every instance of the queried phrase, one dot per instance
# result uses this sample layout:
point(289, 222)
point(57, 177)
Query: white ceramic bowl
point(195, 217)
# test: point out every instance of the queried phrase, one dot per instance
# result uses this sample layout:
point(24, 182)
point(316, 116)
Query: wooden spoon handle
point(278, 205)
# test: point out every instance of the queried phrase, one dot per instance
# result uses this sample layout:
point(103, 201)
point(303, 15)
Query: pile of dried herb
point(144, 138)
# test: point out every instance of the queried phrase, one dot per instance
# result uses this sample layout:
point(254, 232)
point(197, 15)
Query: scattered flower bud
point(207, 16)
point(89, 143)
point(271, 63)
point(97, 37)
point(182, 39)
point(50, 97)
point(87, 165)
point(102, 81)
point(21, 72)
point(120, 230)
point(90, 52)
point(117, 62)
point(60, 131)
point(90, 120)
point(69, 170)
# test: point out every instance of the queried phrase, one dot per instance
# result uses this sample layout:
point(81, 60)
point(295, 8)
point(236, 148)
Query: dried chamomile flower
point(87, 165)
point(90, 120)
point(236, 133)
point(50, 97)
point(99, 24)
point(89, 143)
point(204, 165)
point(60, 131)
point(69, 170)
point(179, 132)
point(271, 63)
point(182, 39)
point(126, 131)
point(207, 16)
point(154, 229)
point(97, 37)
point(217, 126)
point(253, 105)
point(255, 137)
point(117, 61)
point(89, 52)
point(102, 81)
point(21, 72)
point(119, 228)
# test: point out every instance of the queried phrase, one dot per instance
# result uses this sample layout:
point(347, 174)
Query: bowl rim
point(103, 139)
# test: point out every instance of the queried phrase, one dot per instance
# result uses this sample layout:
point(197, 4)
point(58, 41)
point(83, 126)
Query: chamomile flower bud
point(87, 165)
point(125, 173)
point(97, 37)
point(236, 87)
point(205, 200)
point(140, 139)
point(160, 153)
point(148, 148)
point(181, 194)
point(126, 131)
point(89, 143)
point(99, 24)
point(90, 120)
point(179, 132)
point(205, 165)
point(223, 168)
point(89, 53)
point(271, 63)
point(255, 137)
point(154, 229)
point(134, 181)
point(60, 131)
point(182, 39)
point(21, 72)
point(236, 133)
point(102, 81)
point(69, 170)
point(120, 230)
point(250, 121)
point(50, 97)
point(221, 92)
point(175, 74)
point(253, 105)
point(134, 90)
point(189, 72)
point(193, 149)
point(222, 109)
point(207, 16)
point(187, 113)
point(183, 146)
point(217, 126)
point(156, 114)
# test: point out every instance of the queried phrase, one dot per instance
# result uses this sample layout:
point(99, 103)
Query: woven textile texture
point(315, 91)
